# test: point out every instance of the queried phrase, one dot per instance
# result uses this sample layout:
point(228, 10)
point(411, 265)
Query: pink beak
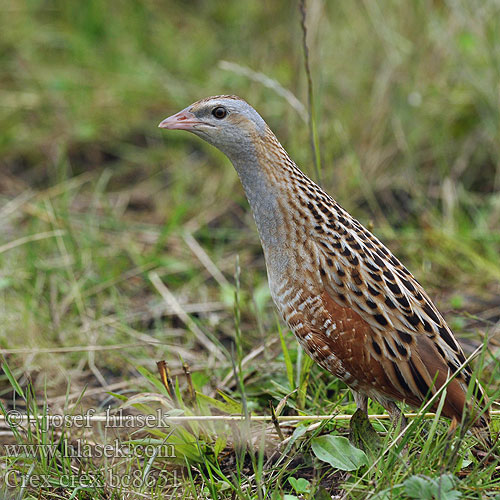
point(183, 120)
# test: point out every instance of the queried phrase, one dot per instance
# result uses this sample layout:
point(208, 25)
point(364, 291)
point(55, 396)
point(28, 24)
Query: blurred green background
point(93, 196)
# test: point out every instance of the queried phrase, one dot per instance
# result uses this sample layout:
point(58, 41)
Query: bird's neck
point(263, 170)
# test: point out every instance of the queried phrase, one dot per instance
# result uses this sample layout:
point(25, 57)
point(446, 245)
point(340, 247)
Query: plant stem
point(313, 130)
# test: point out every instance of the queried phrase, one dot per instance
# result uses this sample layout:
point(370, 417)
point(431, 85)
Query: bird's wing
point(408, 332)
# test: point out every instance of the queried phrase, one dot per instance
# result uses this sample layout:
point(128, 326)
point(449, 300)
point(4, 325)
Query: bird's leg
point(361, 432)
point(398, 421)
point(397, 417)
point(361, 401)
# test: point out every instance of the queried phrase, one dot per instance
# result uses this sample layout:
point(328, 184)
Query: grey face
point(227, 122)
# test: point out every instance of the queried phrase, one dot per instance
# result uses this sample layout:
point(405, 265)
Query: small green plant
point(338, 452)
point(300, 485)
point(425, 488)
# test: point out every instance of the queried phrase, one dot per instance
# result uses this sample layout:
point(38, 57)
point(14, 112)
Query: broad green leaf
point(338, 452)
point(418, 487)
point(199, 379)
point(426, 488)
point(444, 488)
point(300, 485)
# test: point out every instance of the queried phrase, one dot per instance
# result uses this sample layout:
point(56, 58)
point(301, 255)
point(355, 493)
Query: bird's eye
point(219, 112)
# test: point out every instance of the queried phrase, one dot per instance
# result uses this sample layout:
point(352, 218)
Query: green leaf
point(297, 433)
point(152, 379)
point(185, 444)
point(220, 444)
point(305, 372)
point(12, 379)
point(288, 360)
point(425, 488)
point(300, 485)
point(228, 406)
point(338, 452)
point(445, 488)
point(199, 379)
point(235, 406)
point(121, 397)
point(463, 463)
point(418, 487)
point(178, 393)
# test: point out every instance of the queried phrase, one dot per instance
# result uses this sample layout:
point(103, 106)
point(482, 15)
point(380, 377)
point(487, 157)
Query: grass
point(121, 245)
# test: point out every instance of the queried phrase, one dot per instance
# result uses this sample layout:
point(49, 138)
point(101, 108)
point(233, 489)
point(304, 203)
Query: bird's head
point(227, 122)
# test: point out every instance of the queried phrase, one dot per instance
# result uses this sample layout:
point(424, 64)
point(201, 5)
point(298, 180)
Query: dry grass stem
point(30, 238)
point(81, 348)
point(205, 260)
point(183, 316)
point(269, 83)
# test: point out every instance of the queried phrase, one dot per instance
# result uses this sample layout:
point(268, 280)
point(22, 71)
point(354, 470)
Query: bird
point(353, 306)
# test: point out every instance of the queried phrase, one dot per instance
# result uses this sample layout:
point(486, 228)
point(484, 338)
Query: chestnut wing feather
point(407, 335)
